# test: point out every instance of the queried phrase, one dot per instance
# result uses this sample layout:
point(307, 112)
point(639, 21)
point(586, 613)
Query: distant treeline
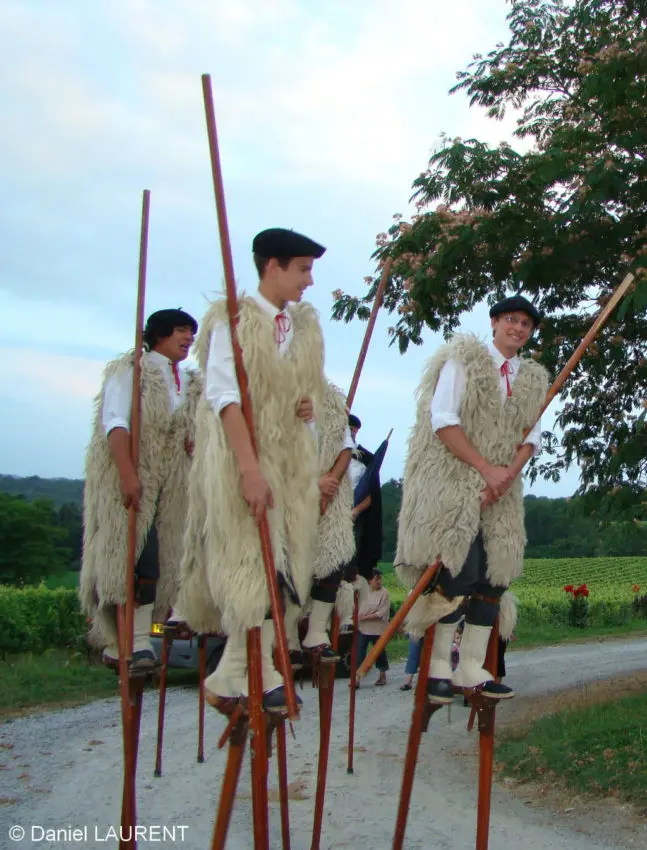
point(556, 528)
point(41, 528)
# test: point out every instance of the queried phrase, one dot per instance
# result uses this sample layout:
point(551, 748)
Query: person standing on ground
point(373, 620)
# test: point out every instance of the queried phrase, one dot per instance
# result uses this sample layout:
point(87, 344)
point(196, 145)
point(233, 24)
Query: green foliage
point(61, 491)
point(556, 528)
point(562, 222)
point(32, 546)
point(578, 612)
point(35, 619)
point(391, 501)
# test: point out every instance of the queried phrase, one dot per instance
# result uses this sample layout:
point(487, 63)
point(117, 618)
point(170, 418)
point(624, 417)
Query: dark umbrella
point(371, 473)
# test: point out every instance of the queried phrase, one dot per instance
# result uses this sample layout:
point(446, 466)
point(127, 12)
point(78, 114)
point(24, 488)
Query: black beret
point(278, 242)
point(354, 421)
point(163, 322)
point(516, 303)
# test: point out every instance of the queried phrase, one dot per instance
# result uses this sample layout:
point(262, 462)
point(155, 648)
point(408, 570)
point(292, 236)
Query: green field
point(69, 580)
point(544, 605)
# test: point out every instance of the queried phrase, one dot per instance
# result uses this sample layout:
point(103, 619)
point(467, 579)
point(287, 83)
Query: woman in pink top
point(373, 619)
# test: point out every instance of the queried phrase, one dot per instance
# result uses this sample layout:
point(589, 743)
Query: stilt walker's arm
point(246, 406)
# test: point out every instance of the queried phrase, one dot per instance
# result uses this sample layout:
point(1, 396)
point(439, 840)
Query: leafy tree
point(69, 518)
point(561, 222)
point(391, 501)
point(30, 541)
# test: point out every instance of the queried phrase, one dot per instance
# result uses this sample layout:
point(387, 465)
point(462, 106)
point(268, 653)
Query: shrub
point(34, 619)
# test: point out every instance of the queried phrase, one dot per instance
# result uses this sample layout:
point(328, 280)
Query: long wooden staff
point(246, 405)
point(377, 303)
point(353, 679)
point(131, 689)
point(431, 570)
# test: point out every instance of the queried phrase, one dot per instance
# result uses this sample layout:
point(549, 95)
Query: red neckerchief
point(506, 370)
point(281, 327)
point(176, 374)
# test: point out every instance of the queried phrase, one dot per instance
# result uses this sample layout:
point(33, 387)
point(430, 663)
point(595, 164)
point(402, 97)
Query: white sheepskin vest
point(223, 579)
point(163, 471)
point(440, 513)
point(336, 541)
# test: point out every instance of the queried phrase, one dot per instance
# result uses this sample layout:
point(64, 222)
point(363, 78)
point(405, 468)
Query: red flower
point(582, 590)
point(568, 588)
point(635, 588)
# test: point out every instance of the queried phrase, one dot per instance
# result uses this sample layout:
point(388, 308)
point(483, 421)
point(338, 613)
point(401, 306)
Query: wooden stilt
point(166, 651)
point(420, 714)
point(282, 759)
point(258, 743)
point(353, 679)
point(326, 695)
point(202, 672)
point(486, 710)
point(237, 737)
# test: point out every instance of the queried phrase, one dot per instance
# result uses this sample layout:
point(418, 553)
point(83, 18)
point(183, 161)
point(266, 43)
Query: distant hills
point(61, 491)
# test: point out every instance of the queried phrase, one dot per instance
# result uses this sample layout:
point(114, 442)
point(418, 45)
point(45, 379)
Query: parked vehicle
point(185, 653)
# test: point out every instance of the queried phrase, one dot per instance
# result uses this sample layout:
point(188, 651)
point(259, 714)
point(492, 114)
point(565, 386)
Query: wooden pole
point(237, 740)
point(130, 692)
point(258, 742)
point(353, 679)
point(377, 303)
point(617, 295)
point(413, 744)
point(487, 712)
point(166, 647)
point(246, 406)
point(282, 764)
point(326, 696)
point(202, 674)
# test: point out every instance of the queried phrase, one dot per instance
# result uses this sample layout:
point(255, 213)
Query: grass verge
point(60, 678)
point(596, 749)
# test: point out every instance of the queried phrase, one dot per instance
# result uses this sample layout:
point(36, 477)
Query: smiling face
point(511, 332)
point(282, 283)
point(176, 346)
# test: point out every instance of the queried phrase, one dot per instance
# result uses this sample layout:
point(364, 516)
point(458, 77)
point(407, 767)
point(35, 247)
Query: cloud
point(36, 374)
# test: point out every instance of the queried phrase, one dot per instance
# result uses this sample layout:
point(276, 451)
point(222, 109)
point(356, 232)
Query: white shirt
point(446, 403)
point(221, 386)
point(356, 468)
point(118, 392)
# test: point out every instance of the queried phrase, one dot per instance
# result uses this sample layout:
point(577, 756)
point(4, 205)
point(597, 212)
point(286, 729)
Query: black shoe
point(440, 691)
point(296, 659)
point(496, 690)
point(325, 653)
point(274, 701)
point(328, 655)
point(142, 661)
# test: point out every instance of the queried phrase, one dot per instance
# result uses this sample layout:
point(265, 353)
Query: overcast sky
point(327, 111)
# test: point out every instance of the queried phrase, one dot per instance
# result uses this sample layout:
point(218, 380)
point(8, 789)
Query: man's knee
point(325, 589)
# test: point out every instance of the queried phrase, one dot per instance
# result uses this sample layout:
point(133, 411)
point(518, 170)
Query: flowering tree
point(561, 223)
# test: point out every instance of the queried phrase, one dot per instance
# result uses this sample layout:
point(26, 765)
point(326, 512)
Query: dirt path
point(63, 770)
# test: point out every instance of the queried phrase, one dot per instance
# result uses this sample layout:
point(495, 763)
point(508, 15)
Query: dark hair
point(161, 325)
point(376, 573)
point(261, 263)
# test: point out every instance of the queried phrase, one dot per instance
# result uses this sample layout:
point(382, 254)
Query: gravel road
point(62, 771)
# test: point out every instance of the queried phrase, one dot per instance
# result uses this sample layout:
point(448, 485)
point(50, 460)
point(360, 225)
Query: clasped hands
point(497, 480)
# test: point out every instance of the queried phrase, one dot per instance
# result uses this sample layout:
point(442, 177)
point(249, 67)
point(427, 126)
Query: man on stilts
point(224, 584)
point(462, 492)
point(157, 489)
